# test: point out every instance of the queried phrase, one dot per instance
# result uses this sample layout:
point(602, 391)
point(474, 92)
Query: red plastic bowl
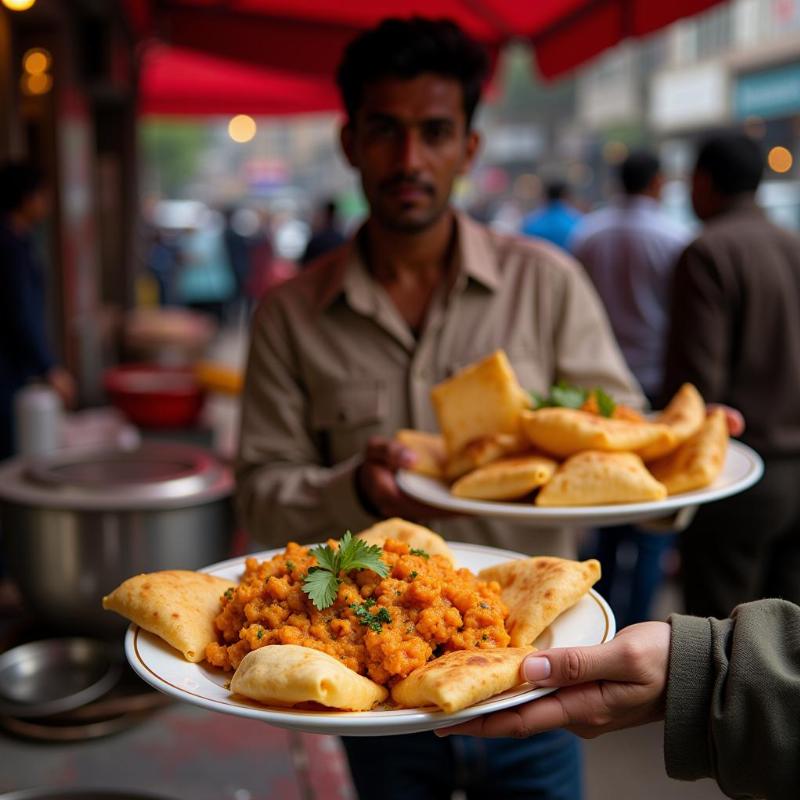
point(152, 396)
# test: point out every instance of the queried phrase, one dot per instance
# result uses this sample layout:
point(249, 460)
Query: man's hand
point(620, 684)
point(733, 417)
point(377, 486)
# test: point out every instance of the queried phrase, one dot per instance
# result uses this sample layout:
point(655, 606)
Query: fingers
point(629, 659)
point(389, 453)
point(733, 417)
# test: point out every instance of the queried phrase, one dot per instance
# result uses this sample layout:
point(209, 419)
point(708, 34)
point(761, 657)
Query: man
point(556, 220)
point(347, 353)
point(25, 354)
point(736, 335)
point(629, 250)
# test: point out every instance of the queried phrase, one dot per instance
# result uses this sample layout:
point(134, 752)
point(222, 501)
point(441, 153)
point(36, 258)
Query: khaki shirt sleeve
point(283, 490)
point(586, 350)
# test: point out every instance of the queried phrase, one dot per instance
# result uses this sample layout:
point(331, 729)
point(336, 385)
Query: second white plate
point(743, 467)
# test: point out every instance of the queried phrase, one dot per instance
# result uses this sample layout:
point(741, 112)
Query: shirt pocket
point(344, 416)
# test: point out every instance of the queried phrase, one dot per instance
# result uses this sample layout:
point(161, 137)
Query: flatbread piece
point(506, 479)
point(177, 605)
point(536, 590)
point(413, 535)
point(462, 678)
point(288, 674)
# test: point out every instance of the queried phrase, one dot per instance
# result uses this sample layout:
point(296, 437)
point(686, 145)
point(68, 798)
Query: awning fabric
point(303, 39)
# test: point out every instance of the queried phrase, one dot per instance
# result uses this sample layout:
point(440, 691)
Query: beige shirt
point(332, 362)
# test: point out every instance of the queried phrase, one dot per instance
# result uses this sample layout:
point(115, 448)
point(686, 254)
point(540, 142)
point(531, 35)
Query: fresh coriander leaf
point(260, 634)
point(372, 621)
point(357, 554)
point(229, 594)
point(321, 586)
point(327, 557)
point(605, 403)
point(417, 551)
point(567, 396)
point(289, 566)
point(414, 574)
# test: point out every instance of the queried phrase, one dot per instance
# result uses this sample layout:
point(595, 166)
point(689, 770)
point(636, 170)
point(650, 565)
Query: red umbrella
point(306, 37)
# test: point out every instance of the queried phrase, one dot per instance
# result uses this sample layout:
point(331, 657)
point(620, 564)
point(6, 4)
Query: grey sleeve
point(733, 700)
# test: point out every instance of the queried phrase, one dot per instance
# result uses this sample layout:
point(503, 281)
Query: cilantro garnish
point(373, 621)
point(229, 594)
point(260, 633)
point(414, 574)
point(564, 395)
point(417, 551)
point(322, 582)
point(289, 566)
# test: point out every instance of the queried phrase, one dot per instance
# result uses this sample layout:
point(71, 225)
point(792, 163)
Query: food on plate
point(288, 675)
point(347, 624)
point(381, 626)
point(480, 400)
point(415, 536)
point(536, 590)
point(177, 605)
point(429, 449)
point(482, 451)
point(698, 461)
point(506, 479)
point(684, 415)
point(566, 431)
point(462, 678)
point(597, 478)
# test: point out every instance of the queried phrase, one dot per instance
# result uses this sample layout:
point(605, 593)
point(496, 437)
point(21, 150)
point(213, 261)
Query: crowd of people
point(346, 353)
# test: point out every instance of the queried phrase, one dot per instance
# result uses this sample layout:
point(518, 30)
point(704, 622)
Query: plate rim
point(354, 722)
point(589, 514)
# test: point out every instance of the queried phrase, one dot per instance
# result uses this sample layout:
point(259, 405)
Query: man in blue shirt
point(25, 354)
point(556, 220)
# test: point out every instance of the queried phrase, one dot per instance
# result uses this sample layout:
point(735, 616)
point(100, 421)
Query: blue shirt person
point(556, 220)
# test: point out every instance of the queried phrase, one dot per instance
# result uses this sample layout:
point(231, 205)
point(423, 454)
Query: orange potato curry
point(383, 628)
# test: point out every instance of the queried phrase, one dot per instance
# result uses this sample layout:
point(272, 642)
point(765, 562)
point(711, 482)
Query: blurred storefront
point(67, 93)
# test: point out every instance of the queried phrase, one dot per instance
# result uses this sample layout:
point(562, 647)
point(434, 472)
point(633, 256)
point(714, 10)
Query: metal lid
point(154, 475)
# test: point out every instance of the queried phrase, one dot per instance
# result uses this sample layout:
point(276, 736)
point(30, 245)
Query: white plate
point(588, 622)
point(743, 467)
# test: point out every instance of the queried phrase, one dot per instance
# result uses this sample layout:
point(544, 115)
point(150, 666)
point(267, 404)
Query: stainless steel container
point(77, 524)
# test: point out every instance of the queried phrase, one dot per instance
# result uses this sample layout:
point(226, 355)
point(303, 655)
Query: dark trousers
point(745, 547)
point(424, 767)
point(630, 592)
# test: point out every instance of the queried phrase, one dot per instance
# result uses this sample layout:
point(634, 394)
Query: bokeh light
point(18, 5)
point(780, 159)
point(614, 152)
point(242, 128)
point(37, 84)
point(36, 61)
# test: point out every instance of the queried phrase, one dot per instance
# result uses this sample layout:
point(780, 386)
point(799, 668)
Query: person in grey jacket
point(729, 691)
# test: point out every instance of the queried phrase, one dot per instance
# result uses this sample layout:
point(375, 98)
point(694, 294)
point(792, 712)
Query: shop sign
point(770, 93)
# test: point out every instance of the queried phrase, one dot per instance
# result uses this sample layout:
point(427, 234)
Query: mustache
point(404, 180)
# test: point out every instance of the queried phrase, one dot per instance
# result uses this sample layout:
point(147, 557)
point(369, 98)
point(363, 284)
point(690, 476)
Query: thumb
point(569, 666)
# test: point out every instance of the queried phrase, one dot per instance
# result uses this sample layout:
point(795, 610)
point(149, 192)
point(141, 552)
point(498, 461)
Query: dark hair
point(637, 171)
point(18, 181)
point(555, 190)
point(406, 48)
point(734, 162)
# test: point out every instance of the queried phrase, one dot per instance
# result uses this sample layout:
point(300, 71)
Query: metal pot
point(76, 524)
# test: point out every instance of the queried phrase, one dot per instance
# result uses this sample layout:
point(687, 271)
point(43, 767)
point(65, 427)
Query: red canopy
point(293, 38)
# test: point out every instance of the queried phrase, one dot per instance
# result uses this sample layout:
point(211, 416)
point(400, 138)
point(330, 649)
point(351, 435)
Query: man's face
point(409, 140)
point(703, 195)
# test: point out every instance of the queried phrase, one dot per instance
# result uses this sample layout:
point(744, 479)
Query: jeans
point(421, 766)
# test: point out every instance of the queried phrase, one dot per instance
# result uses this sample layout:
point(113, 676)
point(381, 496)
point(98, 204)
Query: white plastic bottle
point(37, 413)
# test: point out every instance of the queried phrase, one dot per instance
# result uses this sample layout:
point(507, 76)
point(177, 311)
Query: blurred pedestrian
point(25, 353)
point(556, 219)
point(735, 334)
point(629, 250)
point(345, 354)
point(327, 234)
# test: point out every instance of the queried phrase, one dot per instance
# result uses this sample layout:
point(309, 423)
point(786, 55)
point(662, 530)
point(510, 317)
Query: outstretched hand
point(602, 688)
